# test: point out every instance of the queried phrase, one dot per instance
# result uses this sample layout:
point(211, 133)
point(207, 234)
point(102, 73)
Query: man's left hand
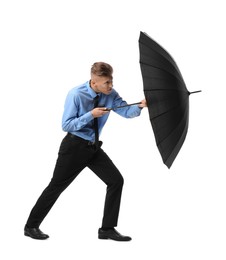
point(143, 103)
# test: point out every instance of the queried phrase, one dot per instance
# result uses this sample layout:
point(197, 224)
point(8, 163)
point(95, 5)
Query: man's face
point(102, 84)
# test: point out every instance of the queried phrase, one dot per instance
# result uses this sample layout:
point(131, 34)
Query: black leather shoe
point(35, 233)
point(112, 234)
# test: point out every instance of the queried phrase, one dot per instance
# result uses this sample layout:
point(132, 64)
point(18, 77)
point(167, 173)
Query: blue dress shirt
point(77, 117)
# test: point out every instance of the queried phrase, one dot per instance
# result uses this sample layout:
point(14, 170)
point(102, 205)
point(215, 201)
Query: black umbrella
point(167, 98)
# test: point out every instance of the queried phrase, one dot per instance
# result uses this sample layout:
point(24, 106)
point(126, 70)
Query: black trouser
point(74, 155)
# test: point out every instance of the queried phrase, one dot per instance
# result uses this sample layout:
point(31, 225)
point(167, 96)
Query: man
point(83, 120)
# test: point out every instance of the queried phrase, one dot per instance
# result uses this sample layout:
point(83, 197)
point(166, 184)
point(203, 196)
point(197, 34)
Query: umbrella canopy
point(167, 98)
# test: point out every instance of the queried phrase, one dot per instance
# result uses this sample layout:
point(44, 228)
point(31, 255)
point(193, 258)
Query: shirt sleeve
point(71, 121)
point(127, 112)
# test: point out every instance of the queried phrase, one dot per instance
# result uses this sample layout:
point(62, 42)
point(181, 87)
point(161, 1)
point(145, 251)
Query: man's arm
point(71, 121)
point(129, 111)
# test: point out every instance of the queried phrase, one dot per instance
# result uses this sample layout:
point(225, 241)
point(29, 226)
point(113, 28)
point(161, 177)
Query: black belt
point(87, 142)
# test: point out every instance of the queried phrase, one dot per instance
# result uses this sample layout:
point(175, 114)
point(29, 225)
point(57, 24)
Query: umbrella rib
point(179, 78)
point(162, 48)
point(174, 65)
point(159, 78)
point(173, 108)
point(174, 128)
point(166, 89)
point(177, 148)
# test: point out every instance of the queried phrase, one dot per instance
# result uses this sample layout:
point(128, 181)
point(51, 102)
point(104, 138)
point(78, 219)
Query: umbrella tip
point(194, 92)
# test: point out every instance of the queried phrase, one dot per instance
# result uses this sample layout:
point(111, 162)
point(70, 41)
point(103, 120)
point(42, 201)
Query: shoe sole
point(106, 238)
point(40, 238)
point(103, 237)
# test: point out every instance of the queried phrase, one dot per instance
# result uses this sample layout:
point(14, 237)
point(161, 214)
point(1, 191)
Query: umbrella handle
point(195, 92)
point(114, 108)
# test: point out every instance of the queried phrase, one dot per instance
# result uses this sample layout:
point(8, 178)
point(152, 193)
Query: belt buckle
point(91, 143)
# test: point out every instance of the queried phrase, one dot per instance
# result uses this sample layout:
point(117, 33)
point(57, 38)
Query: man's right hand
point(99, 111)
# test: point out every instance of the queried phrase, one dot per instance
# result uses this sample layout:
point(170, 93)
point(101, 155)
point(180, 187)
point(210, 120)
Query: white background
point(46, 48)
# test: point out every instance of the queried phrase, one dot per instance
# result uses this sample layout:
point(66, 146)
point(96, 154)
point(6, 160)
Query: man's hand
point(143, 103)
point(99, 111)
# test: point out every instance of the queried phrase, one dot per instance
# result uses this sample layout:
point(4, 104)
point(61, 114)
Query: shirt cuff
point(86, 118)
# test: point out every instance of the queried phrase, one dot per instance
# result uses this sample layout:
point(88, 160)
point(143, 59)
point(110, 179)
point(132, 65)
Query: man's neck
point(92, 86)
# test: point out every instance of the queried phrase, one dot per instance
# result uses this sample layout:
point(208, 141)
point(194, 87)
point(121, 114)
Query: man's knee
point(119, 181)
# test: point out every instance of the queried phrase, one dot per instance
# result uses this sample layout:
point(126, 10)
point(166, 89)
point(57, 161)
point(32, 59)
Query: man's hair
point(102, 69)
